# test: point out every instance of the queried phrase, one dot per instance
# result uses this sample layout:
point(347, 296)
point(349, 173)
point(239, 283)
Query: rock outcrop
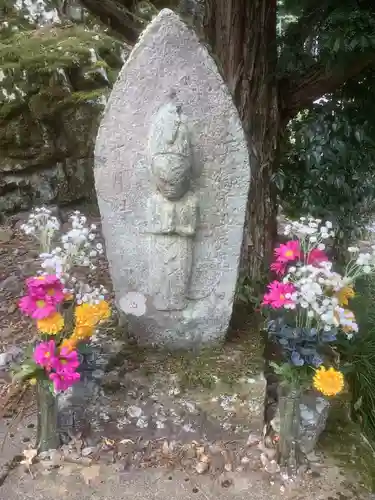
point(54, 81)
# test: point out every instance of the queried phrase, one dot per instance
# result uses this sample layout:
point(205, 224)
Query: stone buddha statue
point(172, 209)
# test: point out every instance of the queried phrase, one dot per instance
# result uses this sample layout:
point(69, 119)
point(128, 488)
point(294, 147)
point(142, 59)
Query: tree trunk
point(242, 36)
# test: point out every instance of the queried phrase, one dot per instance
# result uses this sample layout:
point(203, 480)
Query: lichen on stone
point(52, 72)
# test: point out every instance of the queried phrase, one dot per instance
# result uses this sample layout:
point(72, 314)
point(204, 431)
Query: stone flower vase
point(47, 425)
point(302, 416)
point(290, 455)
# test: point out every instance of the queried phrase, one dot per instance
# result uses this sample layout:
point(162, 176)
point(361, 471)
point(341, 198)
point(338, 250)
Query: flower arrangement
point(311, 300)
point(66, 310)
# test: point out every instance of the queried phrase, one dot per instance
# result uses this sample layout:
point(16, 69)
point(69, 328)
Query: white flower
point(353, 249)
point(329, 224)
point(310, 314)
point(313, 239)
point(367, 269)
point(133, 303)
point(363, 259)
point(321, 246)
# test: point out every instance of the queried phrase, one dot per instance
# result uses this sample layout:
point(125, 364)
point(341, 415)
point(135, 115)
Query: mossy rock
point(55, 81)
point(42, 68)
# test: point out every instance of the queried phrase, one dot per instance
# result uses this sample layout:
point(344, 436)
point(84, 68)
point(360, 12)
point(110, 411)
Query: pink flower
point(67, 361)
point(277, 294)
point(35, 307)
point(46, 287)
point(44, 354)
point(63, 380)
point(279, 267)
point(288, 252)
point(316, 256)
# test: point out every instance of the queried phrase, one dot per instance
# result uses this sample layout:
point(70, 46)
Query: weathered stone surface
point(49, 118)
point(314, 413)
point(172, 178)
point(57, 170)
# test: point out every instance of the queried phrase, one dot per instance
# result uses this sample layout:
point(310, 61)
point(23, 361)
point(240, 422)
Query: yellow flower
point(82, 332)
point(32, 381)
point(91, 314)
point(329, 382)
point(51, 325)
point(102, 310)
point(344, 295)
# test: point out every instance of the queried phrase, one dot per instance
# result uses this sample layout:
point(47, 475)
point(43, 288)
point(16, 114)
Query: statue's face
point(172, 175)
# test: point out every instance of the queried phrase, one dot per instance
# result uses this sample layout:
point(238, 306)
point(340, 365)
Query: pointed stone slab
point(174, 262)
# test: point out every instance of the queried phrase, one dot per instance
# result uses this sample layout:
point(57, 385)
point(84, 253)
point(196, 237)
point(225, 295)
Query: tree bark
point(242, 36)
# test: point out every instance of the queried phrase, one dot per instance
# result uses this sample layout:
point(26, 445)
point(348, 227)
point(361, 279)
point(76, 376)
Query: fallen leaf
point(29, 456)
point(90, 473)
point(201, 467)
point(109, 442)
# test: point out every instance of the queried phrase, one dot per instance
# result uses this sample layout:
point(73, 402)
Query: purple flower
point(316, 361)
point(296, 359)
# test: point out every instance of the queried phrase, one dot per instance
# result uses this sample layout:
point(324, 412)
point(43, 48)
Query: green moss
point(87, 96)
point(42, 67)
point(53, 48)
point(228, 362)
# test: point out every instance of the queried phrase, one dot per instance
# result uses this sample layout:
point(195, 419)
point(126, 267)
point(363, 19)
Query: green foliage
point(328, 155)
point(328, 169)
point(325, 32)
point(298, 377)
point(358, 359)
point(248, 293)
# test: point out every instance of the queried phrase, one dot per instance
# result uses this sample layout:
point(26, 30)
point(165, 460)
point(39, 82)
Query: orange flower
point(82, 332)
point(52, 325)
point(102, 310)
point(92, 314)
point(69, 344)
point(329, 382)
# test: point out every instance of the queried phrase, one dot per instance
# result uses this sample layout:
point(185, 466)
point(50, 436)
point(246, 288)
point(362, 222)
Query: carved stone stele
point(172, 179)
point(172, 210)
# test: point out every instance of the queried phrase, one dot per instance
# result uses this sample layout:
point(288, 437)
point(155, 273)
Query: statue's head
point(170, 156)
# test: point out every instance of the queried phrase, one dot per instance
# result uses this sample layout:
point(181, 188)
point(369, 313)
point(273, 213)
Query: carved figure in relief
point(172, 209)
